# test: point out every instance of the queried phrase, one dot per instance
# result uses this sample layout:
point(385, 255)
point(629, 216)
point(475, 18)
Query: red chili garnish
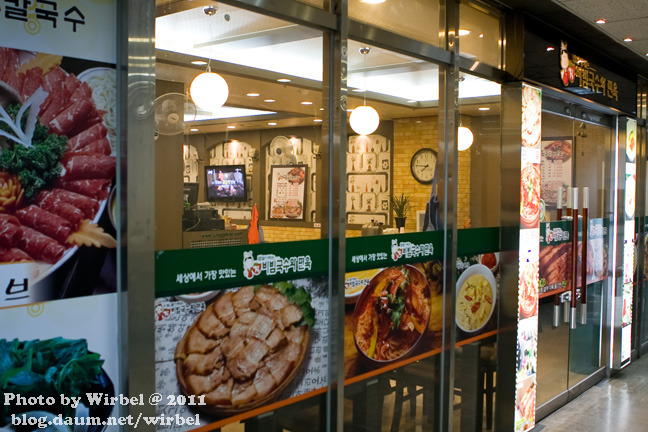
point(468, 298)
point(488, 299)
point(475, 307)
point(489, 260)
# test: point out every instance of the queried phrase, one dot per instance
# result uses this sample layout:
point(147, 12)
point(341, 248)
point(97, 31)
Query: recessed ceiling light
point(464, 32)
point(231, 127)
point(481, 35)
point(321, 109)
point(601, 21)
point(317, 120)
point(283, 80)
point(628, 39)
point(199, 62)
point(253, 94)
point(372, 1)
point(272, 124)
point(193, 130)
point(551, 48)
point(307, 103)
point(411, 101)
point(268, 100)
point(484, 109)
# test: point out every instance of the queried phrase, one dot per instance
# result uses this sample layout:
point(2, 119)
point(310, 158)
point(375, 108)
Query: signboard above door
point(560, 63)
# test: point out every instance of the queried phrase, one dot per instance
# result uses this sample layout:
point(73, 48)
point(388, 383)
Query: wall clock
point(423, 165)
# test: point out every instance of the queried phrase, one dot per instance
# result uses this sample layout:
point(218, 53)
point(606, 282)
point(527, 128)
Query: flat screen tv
point(190, 192)
point(225, 183)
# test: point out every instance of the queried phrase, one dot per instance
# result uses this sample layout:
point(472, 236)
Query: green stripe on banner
point(391, 250)
point(185, 271)
point(476, 241)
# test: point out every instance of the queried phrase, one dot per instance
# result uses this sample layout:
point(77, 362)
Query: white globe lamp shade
point(464, 138)
point(364, 120)
point(209, 91)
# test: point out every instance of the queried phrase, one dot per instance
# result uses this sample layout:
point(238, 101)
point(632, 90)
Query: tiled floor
point(617, 404)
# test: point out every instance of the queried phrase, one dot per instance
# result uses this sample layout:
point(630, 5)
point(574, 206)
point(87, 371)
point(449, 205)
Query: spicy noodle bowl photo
point(530, 196)
point(391, 315)
point(57, 163)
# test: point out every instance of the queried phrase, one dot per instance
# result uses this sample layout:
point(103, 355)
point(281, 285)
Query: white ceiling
point(625, 18)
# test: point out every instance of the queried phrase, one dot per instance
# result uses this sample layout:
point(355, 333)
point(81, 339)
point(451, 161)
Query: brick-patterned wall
point(410, 135)
point(274, 234)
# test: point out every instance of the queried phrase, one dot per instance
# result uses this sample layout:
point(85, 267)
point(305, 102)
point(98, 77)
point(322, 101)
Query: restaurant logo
point(555, 234)
point(578, 72)
point(410, 250)
point(272, 264)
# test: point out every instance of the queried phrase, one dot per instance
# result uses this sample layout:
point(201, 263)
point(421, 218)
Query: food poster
point(555, 257)
point(393, 315)
point(628, 239)
point(241, 350)
point(529, 254)
point(47, 340)
point(288, 192)
point(556, 168)
point(57, 170)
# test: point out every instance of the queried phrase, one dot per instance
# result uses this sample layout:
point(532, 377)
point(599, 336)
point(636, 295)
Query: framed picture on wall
point(288, 192)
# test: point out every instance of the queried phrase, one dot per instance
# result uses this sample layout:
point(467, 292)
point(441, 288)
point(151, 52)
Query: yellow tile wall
point(410, 135)
point(273, 234)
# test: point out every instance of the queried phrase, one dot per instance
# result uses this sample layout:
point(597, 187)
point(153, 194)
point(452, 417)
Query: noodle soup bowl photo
point(391, 315)
point(476, 296)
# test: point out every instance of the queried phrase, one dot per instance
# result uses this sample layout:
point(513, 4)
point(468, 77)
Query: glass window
point(415, 19)
point(271, 118)
point(480, 35)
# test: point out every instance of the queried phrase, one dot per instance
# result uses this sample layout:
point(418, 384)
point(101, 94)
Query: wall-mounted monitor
point(225, 183)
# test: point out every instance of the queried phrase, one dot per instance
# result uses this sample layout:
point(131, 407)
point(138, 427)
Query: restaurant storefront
point(301, 216)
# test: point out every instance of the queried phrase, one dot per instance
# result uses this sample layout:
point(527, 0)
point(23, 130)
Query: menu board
point(556, 169)
point(288, 192)
point(243, 351)
point(529, 255)
point(628, 239)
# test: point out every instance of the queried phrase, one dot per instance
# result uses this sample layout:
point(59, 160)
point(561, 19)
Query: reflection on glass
point(480, 35)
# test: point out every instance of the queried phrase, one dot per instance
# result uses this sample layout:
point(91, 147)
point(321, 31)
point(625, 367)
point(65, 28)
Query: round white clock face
point(423, 165)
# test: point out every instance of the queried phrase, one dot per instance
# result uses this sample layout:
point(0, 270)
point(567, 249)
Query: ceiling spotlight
point(372, 1)
point(268, 100)
point(484, 109)
point(272, 124)
point(551, 48)
point(307, 103)
point(481, 35)
point(253, 94)
point(193, 130)
point(628, 39)
point(601, 21)
point(411, 101)
point(210, 10)
point(283, 80)
point(199, 62)
point(317, 120)
point(464, 32)
point(231, 127)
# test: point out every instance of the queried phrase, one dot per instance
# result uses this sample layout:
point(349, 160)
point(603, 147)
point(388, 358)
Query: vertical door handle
point(574, 279)
point(584, 259)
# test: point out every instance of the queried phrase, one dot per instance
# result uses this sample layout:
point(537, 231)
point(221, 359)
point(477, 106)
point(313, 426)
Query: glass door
point(576, 166)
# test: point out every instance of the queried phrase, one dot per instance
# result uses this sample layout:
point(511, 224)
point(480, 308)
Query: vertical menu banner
point(529, 255)
point(628, 239)
point(58, 113)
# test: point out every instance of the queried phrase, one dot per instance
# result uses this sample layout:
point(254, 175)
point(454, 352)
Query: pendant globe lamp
point(465, 138)
point(209, 90)
point(364, 120)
